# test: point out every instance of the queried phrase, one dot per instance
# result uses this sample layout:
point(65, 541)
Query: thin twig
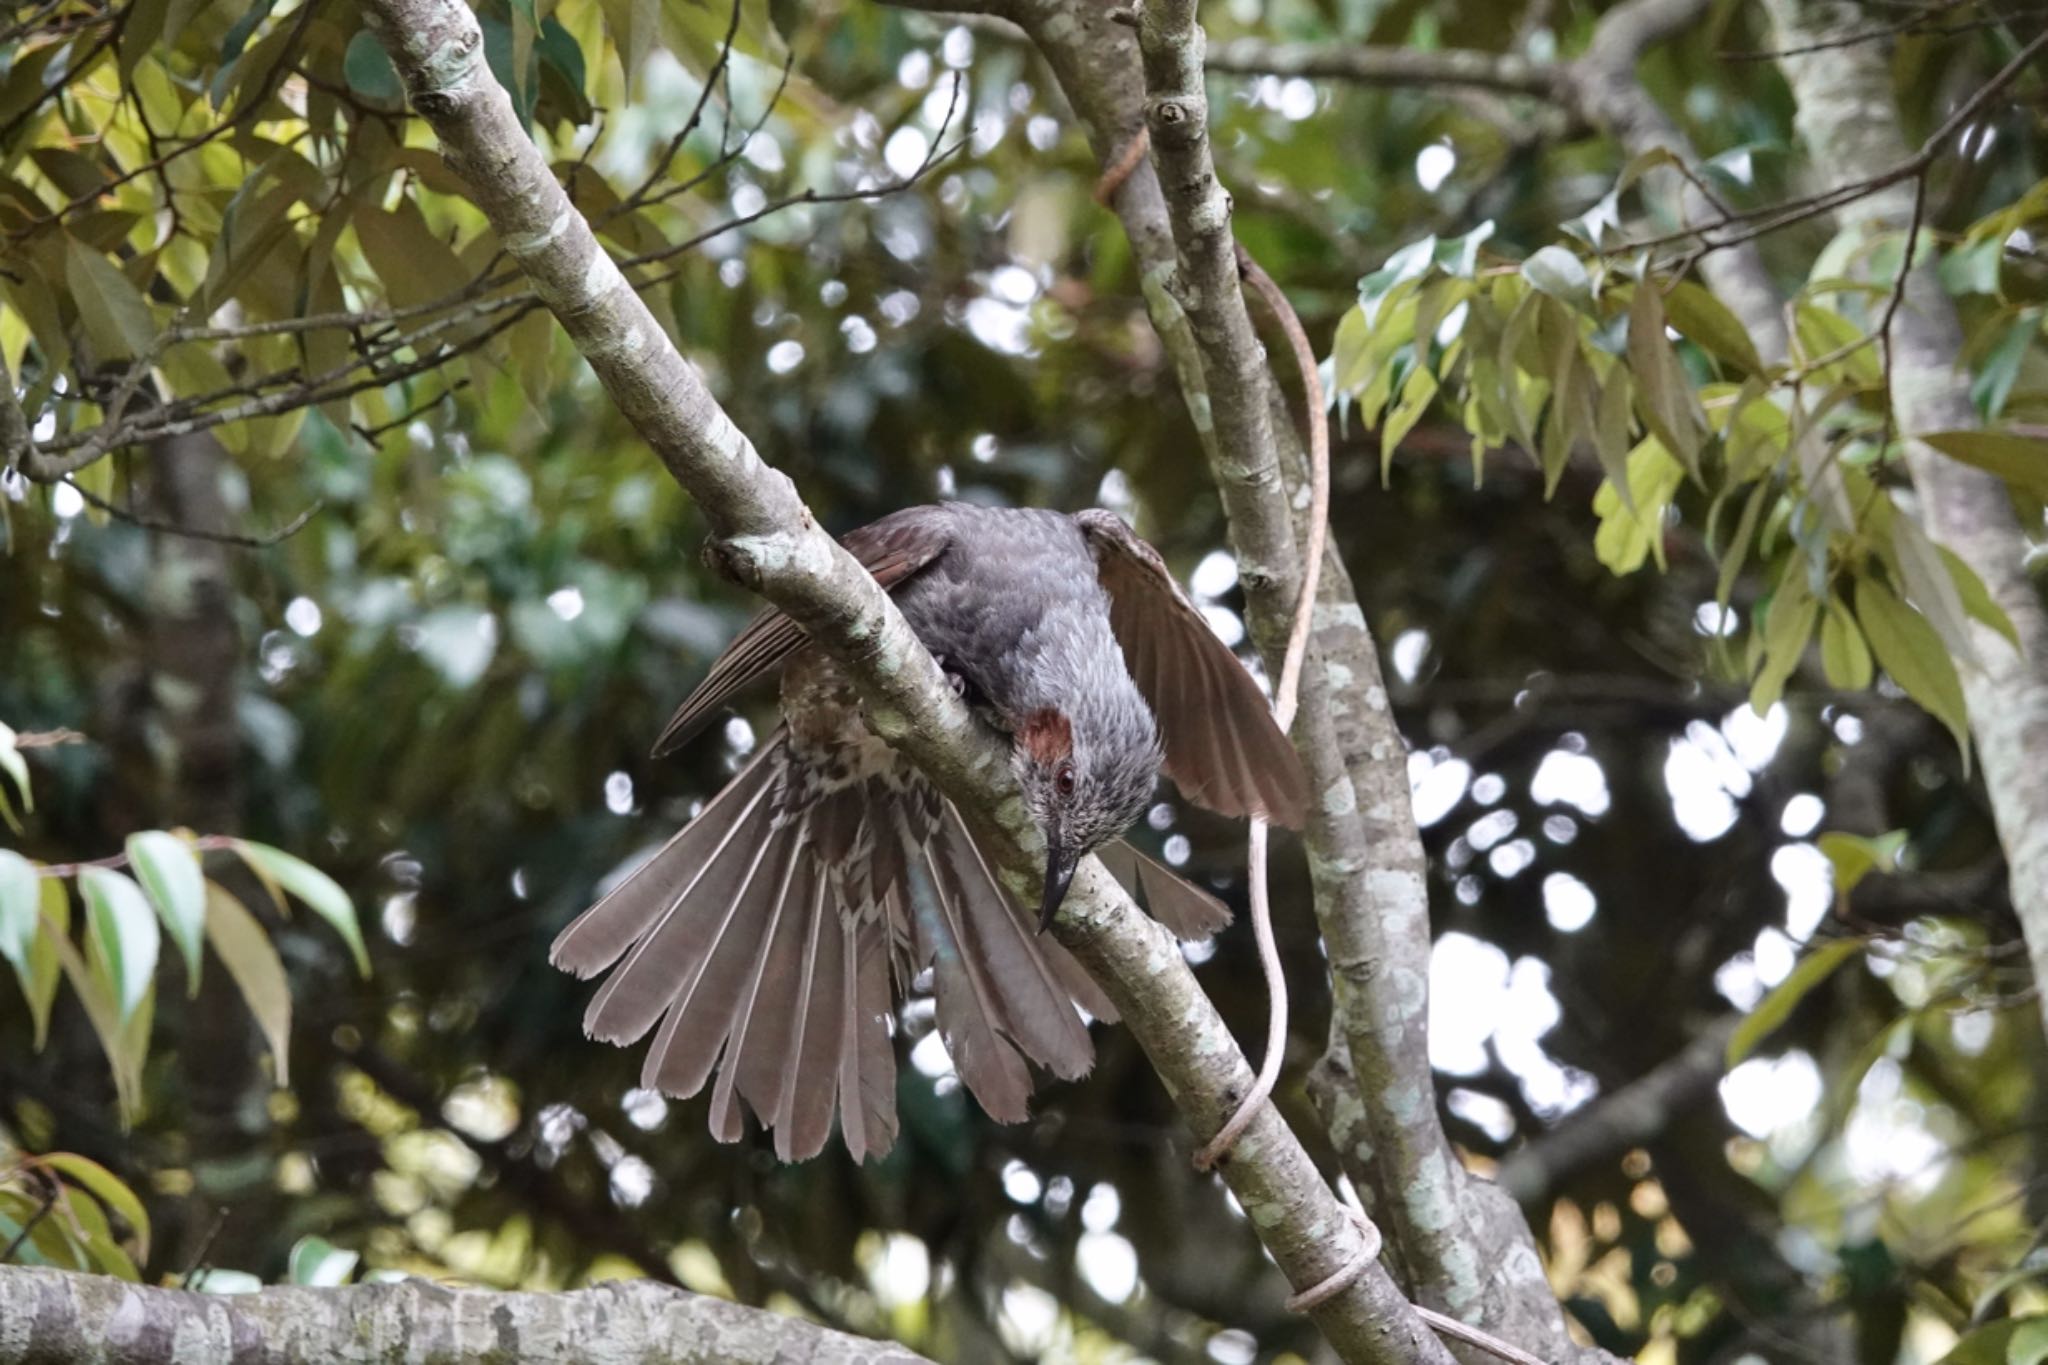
point(49, 1202)
point(172, 528)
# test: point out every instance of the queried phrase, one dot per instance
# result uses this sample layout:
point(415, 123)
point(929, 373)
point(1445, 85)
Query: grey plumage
point(771, 937)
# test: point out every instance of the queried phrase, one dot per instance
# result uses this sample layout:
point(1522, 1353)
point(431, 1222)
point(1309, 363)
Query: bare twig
point(172, 528)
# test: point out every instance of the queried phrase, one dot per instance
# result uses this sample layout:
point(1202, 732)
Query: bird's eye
point(1063, 779)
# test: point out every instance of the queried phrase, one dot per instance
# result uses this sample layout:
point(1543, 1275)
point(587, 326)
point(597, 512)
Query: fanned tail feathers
point(759, 960)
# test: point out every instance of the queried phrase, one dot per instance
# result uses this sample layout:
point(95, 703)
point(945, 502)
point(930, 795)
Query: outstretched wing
point(1222, 746)
point(892, 549)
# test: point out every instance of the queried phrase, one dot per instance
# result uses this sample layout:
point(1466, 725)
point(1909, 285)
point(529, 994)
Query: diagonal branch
point(766, 538)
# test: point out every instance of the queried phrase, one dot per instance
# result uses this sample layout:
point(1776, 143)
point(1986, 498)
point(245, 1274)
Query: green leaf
point(1416, 392)
point(1854, 857)
point(1787, 628)
point(1775, 1008)
point(245, 950)
point(1706, 321)
point(123, 933)
point(169, 871)
point(1931, 586)
point(311, 885)
point(1626, 537)
point(43, 968)
point(369, 72)
point(1844, 657)
point(2001, 368)
point(21, 892)
point(115, 315)
point(102, 1010)
point(317, 1262)
point(107, 1188)
point(1560, 274)
point(2021, 461)
point(1977, 599)
point(1907, 648)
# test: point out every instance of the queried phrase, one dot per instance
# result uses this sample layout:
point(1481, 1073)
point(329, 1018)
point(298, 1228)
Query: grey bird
point(772, 937)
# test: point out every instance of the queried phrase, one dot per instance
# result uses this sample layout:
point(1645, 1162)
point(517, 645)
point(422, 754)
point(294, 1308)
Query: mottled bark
point(1464, 1245)
point(53, 1317)
point(1849, 118)
point(766, 539)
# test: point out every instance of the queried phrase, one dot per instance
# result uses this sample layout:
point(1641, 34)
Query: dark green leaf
point(1907, 648)
point(369, 72)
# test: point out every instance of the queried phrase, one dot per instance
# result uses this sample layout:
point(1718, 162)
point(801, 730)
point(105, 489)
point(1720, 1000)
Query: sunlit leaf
point(319, 1263)
point(122, 932)
point(21, 894)
point(314, 887)
point(1560, 274)
point(169, 871)
point(1976, 598)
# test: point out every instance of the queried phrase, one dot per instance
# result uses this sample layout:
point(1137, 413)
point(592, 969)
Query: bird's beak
point(1059, 871)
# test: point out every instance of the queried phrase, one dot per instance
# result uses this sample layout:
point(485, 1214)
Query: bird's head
point(1086, 776)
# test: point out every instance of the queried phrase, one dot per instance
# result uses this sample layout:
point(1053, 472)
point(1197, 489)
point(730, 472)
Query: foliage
point(443, 682)
point(114, 978)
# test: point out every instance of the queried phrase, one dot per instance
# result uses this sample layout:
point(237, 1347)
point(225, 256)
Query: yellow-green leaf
point(1705, 320)
point(2021, 461)
point(1977, 599)
point(43, 969)
point(245, 950)
point(1775, 1008)
point(107, 1188)
point(1844, 657)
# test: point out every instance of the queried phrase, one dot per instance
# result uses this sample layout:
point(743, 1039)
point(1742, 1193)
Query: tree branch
point(53, 1315)
point(1848, 115)
point(765, 538)
point(1477, 1257)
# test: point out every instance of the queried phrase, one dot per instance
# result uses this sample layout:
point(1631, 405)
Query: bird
point(772, 937)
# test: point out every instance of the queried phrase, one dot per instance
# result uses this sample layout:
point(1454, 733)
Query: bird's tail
point(766, 948)
point(733, 939)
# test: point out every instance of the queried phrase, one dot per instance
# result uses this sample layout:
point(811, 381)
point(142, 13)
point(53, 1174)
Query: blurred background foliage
point(441, 685)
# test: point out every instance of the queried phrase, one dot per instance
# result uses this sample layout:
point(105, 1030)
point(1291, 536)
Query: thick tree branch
point(765, 538)
point(1848, 116)
point(52, 1316)
point(1464, 1244)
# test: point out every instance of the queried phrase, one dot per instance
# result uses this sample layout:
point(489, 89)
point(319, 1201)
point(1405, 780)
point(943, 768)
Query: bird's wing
point(1222, 747)
point(892, 549)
